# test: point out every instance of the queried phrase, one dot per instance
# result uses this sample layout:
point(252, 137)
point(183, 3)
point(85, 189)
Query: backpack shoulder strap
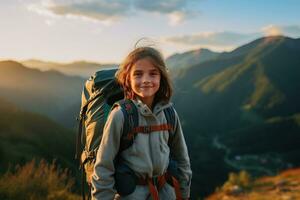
point(171, 119)
point(131, 120)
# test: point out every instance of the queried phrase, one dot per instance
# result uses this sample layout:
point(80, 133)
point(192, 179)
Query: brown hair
point(165, 90)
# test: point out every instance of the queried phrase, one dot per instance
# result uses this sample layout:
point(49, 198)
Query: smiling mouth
point(146, 87)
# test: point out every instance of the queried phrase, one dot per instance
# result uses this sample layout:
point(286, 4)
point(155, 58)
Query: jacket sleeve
point(179, 153)
point(103, 178)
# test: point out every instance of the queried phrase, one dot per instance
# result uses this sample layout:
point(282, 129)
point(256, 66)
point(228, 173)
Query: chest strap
point(149, 129)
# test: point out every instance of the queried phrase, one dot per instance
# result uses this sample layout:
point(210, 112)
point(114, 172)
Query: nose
point(146, 79)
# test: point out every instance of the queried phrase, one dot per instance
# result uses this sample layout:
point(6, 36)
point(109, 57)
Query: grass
point(37, 180)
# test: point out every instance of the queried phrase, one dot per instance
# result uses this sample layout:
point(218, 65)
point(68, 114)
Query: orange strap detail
point(149, 129)
point(177, 188)
point(153, 190)
point(161, 180)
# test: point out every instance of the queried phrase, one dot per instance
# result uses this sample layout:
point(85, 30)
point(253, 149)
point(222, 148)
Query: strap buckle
point(147, 129)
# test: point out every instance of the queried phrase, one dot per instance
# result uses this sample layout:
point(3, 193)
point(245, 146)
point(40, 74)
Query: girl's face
point(145, 80)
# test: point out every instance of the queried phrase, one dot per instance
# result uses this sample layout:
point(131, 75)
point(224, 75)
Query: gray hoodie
point(147, 156)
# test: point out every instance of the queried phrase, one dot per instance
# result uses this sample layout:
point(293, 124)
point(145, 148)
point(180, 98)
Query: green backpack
point(100, 93)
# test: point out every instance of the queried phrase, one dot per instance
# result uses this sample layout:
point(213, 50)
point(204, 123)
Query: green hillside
point(271, 70)
point(49, 93)
point(254, 87)
point(24, 136)
point(180, 61)
point(240, 109)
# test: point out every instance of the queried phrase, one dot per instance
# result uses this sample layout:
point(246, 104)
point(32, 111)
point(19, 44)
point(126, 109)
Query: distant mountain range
point(85, 69)
point(49, 93)
point(79, 68)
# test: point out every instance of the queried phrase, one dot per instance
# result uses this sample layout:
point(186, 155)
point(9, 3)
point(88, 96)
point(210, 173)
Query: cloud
point(177, 11)
point(229, 40)
point(41, 9)
point(216, 39)
point(166, 7)
point(177, 17)
point(293, 31)
point(271, 30)
point(113, 10)
point(97, 10)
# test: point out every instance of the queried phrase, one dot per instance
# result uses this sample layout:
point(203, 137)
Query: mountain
point(49, 93)
point(259, 43)
point(180, 61)
point(78, 68)
point(261, 84)
point(241, 110)
point(25, 135)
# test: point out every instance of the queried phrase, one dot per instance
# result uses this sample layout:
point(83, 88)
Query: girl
point(143, 75)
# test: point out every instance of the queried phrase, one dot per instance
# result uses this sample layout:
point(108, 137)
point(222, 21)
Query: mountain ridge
point(80, 68)
point(48, 93)
point(249, 101)
point(25, 135)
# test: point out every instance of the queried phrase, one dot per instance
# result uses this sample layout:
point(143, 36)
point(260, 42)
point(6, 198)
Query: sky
point(105, 31)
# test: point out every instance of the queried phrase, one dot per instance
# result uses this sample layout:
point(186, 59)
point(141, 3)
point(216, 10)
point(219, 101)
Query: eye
point(137, 74)
point(154, 73)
